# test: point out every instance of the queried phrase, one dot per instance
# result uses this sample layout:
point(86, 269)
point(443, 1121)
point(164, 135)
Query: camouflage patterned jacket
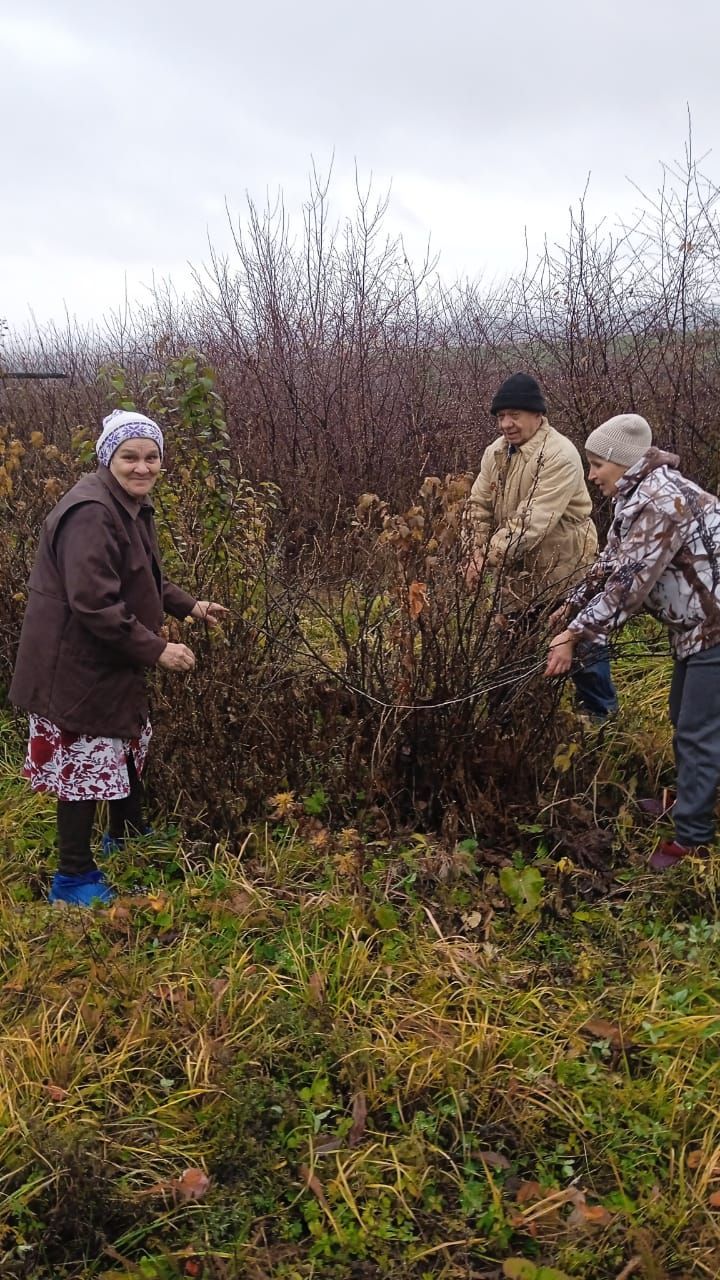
point(662, 555)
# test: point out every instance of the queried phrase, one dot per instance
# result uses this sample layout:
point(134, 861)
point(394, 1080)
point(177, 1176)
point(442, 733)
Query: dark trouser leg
point(126, 815)
point(695, 715)
point(74, 827)
point(593, 682)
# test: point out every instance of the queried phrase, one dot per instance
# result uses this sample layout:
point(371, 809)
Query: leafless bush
point(368, 680)
point(344, 369)
point(354, 662)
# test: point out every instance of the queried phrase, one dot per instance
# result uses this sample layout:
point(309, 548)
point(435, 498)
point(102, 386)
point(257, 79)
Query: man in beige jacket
point(530, 518)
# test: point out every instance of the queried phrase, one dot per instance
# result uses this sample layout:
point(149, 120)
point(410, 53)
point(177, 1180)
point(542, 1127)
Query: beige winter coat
point(529, 513)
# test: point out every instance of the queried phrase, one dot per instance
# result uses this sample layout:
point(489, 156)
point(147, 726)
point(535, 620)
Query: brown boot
point(667, 853)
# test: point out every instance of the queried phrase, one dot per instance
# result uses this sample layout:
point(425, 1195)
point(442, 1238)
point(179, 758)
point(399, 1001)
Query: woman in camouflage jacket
point(662, 556)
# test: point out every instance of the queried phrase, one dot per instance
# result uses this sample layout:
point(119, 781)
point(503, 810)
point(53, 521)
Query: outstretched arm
point(644, 554)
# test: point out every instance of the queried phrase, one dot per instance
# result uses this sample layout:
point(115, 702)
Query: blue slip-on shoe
point(81, 891)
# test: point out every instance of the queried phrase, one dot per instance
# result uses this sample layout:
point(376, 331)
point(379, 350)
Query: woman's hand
point(561, 653)
point(208, 611)
point(176, 657)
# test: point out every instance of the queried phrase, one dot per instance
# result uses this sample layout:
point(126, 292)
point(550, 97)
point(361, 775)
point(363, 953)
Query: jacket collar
point(650, 461)
point(131, 505)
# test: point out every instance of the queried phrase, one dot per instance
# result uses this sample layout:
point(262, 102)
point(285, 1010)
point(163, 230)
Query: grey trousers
point(695, 716)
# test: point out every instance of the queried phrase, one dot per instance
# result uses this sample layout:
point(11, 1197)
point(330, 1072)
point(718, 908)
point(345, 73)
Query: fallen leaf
point(711, 1168)
point(601, 1029)
point(173, 995)
point(494, 1159)
point(192, 1184)
point(549, 1204)
point(714, 1200)
point(218, 987)
point(119, 914)
point(359, 1115)
point(157, 901)
point(472, 919)
point(588, 1215)
point(316, 988)
point(327, 1145)
point(528, 1191)
point(314, 1184)
point(55, 1092)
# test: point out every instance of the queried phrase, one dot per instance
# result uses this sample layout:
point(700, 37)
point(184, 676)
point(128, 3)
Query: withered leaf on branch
point(417, 598)
point(365, 502)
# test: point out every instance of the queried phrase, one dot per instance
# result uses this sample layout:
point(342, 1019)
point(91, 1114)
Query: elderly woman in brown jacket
point(97, 596)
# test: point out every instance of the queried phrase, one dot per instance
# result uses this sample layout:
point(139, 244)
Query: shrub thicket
point(332, 369)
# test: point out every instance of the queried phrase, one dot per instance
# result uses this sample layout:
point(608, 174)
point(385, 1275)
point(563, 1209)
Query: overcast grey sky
point(126, 127)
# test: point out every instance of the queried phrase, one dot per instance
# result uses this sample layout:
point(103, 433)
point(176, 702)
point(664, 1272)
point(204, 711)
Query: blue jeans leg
point(594, 687)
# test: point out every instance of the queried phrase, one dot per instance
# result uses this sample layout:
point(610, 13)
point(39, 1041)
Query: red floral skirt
point(74, 766)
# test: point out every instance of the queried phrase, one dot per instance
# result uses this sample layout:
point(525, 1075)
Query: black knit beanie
point(519, 392)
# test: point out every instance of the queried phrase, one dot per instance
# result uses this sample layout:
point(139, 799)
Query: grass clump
point(330, 1054)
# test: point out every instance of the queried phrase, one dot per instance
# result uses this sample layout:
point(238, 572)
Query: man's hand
point(176, 657)
point(208, 611)
point(561, 653)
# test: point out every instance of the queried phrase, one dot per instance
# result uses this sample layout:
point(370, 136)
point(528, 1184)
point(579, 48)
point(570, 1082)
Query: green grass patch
point(324, 1054)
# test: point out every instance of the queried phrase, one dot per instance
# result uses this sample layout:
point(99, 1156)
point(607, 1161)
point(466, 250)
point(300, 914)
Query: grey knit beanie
point(623, 439)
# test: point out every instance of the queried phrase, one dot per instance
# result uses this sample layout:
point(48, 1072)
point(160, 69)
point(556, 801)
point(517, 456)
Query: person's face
point(518, 425)
point(605, 474)
point(135, 465)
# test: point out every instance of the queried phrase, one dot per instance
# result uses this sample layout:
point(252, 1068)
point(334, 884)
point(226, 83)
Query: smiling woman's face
point(604, 474)
point(136, 465)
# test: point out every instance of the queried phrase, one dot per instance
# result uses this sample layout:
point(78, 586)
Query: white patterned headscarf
point(124, 424)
